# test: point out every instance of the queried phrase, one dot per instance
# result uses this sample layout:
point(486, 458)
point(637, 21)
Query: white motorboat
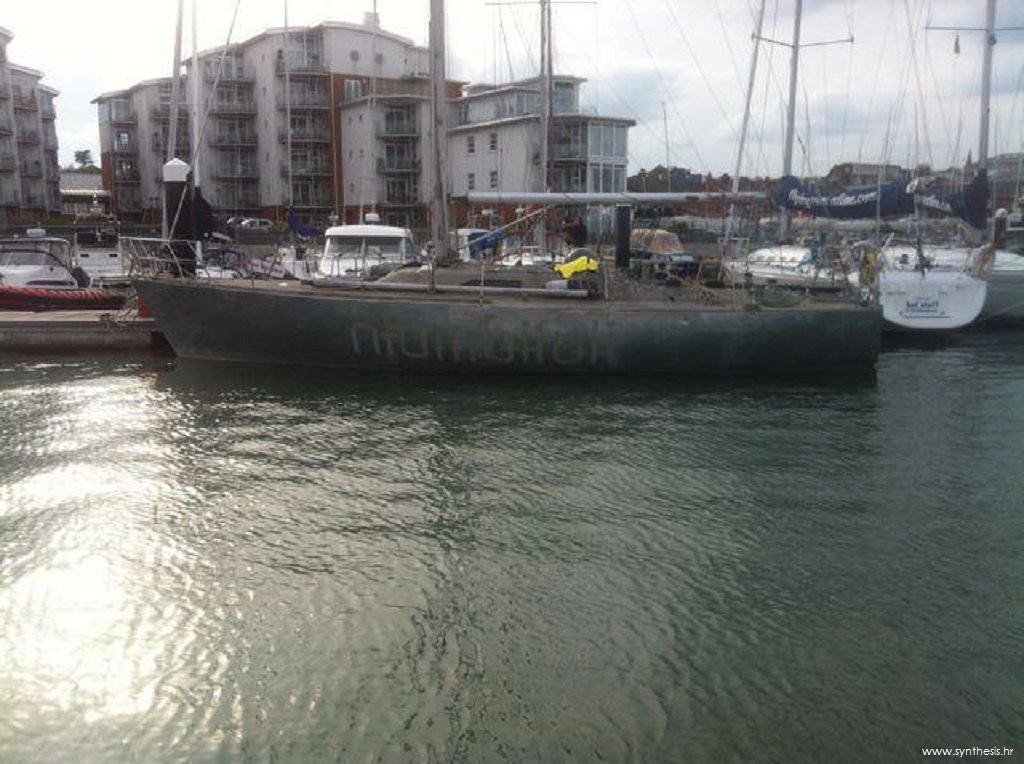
point(37, 260)
point(365, 251)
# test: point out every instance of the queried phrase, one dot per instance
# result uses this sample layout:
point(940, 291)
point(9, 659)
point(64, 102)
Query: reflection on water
point(201, 560)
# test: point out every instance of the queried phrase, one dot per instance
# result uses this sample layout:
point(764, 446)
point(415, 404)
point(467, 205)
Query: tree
point(83, 158)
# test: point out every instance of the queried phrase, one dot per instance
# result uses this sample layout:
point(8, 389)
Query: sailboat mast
point(746, 119)
point(197, 180)
point(172, 125)
point(986, 82)
point(439, 132)
point(668, 152)
point(794, 69)
point(288, 107)
point(172, 129)
point(545, 113)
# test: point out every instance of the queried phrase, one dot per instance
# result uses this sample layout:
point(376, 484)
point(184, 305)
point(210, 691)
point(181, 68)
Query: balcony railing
point(235, 172)
point(315, 199)
point(7, 163)
point(9, 197)
point(25, 101)
point(304, 101)
point(302, 67)
point(33, 201)
point(307, 135)
point(398, 130)
point(399, 197)
point(233, 139)
point(318, 169)
point(28, 136)
point(131, 147)
point(31, 170)
point(47, 111)
point(6, 128)
point(128, 205)
point(233, 107)
point(124, 118)
point(228, 75)
point(162, 112)
point(184, 150)
point(126, 176)
point(398, 164)
point(50, 143)
point(239, 201)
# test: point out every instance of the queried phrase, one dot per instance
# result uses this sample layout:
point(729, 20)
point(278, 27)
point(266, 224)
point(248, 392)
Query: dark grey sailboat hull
point(305, 326)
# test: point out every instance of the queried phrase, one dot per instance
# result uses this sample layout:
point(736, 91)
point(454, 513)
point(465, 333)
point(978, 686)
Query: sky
point(677, 67)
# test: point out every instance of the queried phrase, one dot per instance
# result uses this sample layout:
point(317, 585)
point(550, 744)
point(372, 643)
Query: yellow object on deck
point(579, 265)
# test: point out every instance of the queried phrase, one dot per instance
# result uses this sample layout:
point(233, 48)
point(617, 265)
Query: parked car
point(257, 224)
point(234, 222)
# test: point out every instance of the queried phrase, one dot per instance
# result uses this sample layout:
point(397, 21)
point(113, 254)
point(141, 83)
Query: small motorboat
point(39, 273)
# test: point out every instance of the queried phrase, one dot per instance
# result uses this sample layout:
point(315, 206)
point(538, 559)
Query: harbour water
point(201, 562)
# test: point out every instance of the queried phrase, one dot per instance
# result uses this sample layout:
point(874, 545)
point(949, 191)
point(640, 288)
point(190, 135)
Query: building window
point(471, 144)
point(463, 113)
point(493, 142)
point(494, 179)
point(471, 181)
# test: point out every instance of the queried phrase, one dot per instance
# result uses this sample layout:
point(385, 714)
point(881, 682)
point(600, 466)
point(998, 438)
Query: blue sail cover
point(304, 230)
point(891, 199)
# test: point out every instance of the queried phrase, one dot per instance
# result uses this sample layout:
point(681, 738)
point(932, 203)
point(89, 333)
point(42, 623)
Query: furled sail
point(890, 199)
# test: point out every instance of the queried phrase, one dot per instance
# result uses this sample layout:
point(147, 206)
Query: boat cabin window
point(352, 246)
point(27, 252)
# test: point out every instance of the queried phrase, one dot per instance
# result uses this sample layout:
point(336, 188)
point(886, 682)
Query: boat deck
point(626, 295)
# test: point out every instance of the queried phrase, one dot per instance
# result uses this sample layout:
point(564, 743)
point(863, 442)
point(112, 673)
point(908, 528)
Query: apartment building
point(29, 171)
point(495, 141)
point(272, 136)
point(333, 120)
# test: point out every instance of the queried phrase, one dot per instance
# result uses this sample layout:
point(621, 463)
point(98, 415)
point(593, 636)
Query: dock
point(79, 331)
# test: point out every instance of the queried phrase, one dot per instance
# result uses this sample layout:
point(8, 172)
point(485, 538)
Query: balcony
point(240, 201)
point(29, 137)
point(398, 165)
point(128, 177)
point(33, 201)
point(5, 92)
point(306, 135)
point(47, 111)
point(407, 196)
point(7, 163)
point(306, 169)
point(569, 153)
point(6, 128)
point(124, 118)
point(228, 76)
point(25, 102)
point(162, 113)
point(231, 140)
point(129, 204)
point(317, 197)
point(398, 130)
point(246, 107)
point(122, 149)
point(304, 102)
point(9, 197)
point(50, 143)
point(184, 150)
point(31, 170)
point(235, 172)
point(303, 67)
